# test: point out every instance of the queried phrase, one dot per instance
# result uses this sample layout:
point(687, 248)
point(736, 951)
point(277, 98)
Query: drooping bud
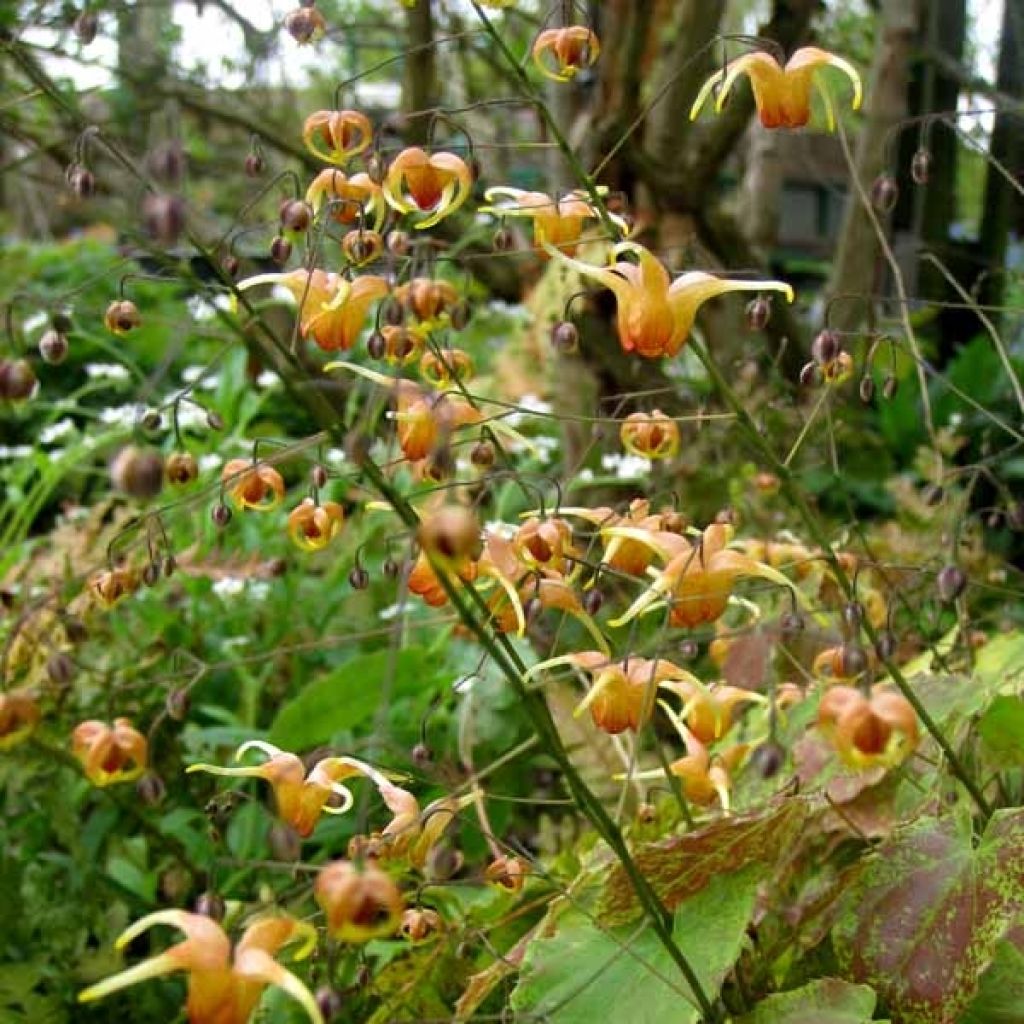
point(85, 27)
point(164, 217)
point(884, 193)
point(181, 468)
point(867, 389)
point(565, 337)
point(177, 704)
point(482, 455)
point(253, 165)
point(280, 250)
point(53, 347)
point(221, 515)
point(950, 582)
point(17, 380)
point(138, 472)
point(305, 24)
point(503, 240)
point(359, 578)
point(211, 905)
point(920, 167)
point(122, 316)
point(296, 215)
point(81, 181)
point(759, 311)
point(450, 535)
point(768, 759)
point(825, 347)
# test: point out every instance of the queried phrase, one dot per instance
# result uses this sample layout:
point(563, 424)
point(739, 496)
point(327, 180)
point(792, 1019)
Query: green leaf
point(1000, 662)
point(346, 697)
point(1000, 998)
point(825, 1001)
point(922, 921)
point(578, 972)
point(1002, 729)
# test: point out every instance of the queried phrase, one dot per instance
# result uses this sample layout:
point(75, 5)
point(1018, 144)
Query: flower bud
point(376, 171)
point(768, 759)
point(209, 904)
point(150, 574)
point(808, 375)
point(508, 873)
point(17, 380)
point(867, 389)
point(318, 476)
point(884, 193)
point(920, 167)
point(398, 243)
point(177, 704)
point(565, 337)
point(170, 565)
point(167, 162)
point(328, 1002)
point(85, 27)
point(164, 217)
point(951, 583)
point(151, 789)
point(853, 659)
point(503, 240)
point(688, 649)
point(181, 468)
point(81, 181)
point(214, 420)
point(53, 347)
point(138, 472)
point(359, 578)
point(284, 841)
point(932, 495)
point(305, 24)
point(759, 311)
point(825, 347)
point(889, 387)
point(296, 215)
point(791, 623)
point(885, 648)
point(392, 313)
point(60, 669)
point(253, 165)
point(151, 421)
point(122, 316)
point(592, 601)
point(280, 250)
point(460, 315)
point(221, 515)
point(229, 264)
point(420, 923)
point(482, 455)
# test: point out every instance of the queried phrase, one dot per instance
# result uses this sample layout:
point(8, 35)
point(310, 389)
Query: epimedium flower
point(562, 53)
point(650, 435)
point(432, 184)
point(313, 525)
point(782, 94)
point(709, 712)
point(877, 729)
point(335, 136)
point(224, 986)
point(301, 798)
point(430, 300)
point(19, 716)
point(122, 317)
point(621, 694)
point(109, 586)
point(557, 222)
point(362, 246)
point(110, 754)
point(698, 576)
point(447, 369)
point(350, 198)
point(361, 902)
point(654, 313)
point(252, 485)
point(331, 308)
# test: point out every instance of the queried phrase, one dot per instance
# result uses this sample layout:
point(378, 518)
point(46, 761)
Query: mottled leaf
point(1000, 662)
point(577, 971)
point(680, 866)
point(825, 1001)
point(1000, 998)
point(922, 922)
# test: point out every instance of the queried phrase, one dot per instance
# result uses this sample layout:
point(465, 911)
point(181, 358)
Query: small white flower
point(234, 641)
point(106, 371)
point(585, 475)
point(392, 611)
point(335, 456)
point(209, 462)
point(500, 529)
point(121, 415)
point(229, 586)
point(55, 431)
point(281, 294)
point(30, 323)
point(192, 373)
point(268, 379)
point(259, 590)
point(17, 451)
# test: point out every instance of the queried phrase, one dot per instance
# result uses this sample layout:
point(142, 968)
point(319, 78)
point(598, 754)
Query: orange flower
point(301, 798)
point(451, 367)
point(336, 136)
point(19, 716)
point(110, 755)
point(362, 246)
point(621, 695)
point(572, 48)
point(122, 316)
point(557, 222)
point(782, 94)
point(650, 435)
point(332, 308)
point(708, 711)
point(252, 485)
point(655, 313)
point(423, 580)
point(425, 419)
point(429, 299)
point(351, 197)
point(434, 184)
point(698, 578)
point(313, 526)
point(545, 544)
point(508, 873)
point(361, 903)
point(112, 585)
point(880, 730)
point(844, 662)
point(222, 989)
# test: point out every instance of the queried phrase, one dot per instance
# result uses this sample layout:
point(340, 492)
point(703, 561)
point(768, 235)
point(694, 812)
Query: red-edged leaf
point(922, 923)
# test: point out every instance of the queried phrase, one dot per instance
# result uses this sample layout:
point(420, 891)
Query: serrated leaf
point(824, 1001)
point(346, 697)
point(578, 972)
point(922, 922)
point(680, 866)
point(1002, 730)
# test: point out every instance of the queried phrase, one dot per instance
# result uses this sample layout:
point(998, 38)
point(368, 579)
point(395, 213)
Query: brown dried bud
point(920, 167)
point(53, 347)
point(884, 193)
point(150, 574)
point(359, 578)
point(60, 669)
point(138, 472)
point(459, 315)
point(392, 312)
point(592, 601)
point(318, 476)
point(181, 468)
point(482, 455)
point(768, 759)
point(164, 217)
point(420, 923)
point(151, 789)
point(507, 872)
point(60, 322)
point(170, 565)
point(422, 755)
point(209, 904)
point(122, 316)
point(280, 250)
point(296, 215)
point(398, 243)
point(376, 345)
point(809, 374)
point(221, 515)
point(85, 27)
point(151, 421)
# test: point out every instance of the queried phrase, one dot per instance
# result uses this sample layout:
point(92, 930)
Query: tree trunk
point(857, 251)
